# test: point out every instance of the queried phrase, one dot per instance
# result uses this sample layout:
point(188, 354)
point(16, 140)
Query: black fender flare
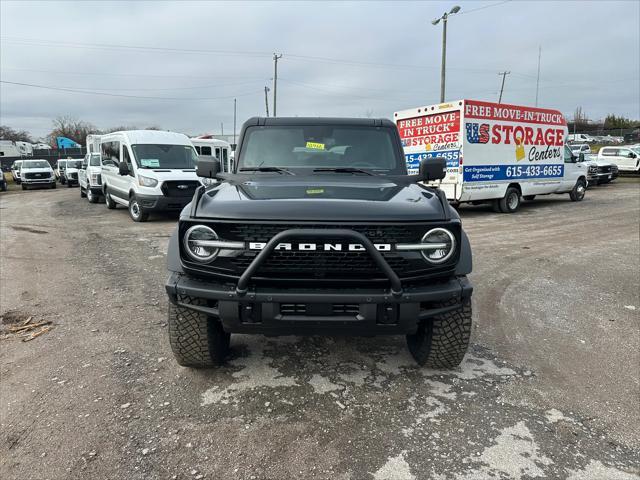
point(173, 253)
point(465, 263)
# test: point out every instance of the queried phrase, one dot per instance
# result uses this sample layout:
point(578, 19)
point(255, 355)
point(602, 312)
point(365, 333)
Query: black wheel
point(24, 187)
point(529, 198)
point(441, 342)
point(62, 181)
point(511, 201)
point(82, 194)
point(136, 212)
point(109, 201)
point(53, 185)
point(92, 197)
point(579, 189)
point(69, 184)
point(196, 340)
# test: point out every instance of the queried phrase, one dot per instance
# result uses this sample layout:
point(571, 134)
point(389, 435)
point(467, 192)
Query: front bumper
point(39, 181)
point(162, 203)
point(289, 311)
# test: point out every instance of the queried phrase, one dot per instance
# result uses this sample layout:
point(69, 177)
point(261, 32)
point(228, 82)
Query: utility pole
point(504, 75)
point(266, 99)
point(275, 81)
point(538, 78)
point(444, 19)
point(235, 105)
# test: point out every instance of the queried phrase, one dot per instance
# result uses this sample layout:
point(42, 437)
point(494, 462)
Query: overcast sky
point(339, 59)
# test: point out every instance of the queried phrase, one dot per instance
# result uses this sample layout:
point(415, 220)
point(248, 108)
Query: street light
point(444, 18)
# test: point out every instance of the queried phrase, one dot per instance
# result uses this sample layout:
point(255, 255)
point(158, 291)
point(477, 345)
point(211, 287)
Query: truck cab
point(90, 178)
point(15, 171)
point(319, 229)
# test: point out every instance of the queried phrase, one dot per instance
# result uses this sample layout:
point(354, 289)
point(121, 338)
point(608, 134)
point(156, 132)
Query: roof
point(151, 136)
point(355, 122)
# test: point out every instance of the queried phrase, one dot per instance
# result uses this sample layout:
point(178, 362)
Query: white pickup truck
point(495, 153)
point(90, 178)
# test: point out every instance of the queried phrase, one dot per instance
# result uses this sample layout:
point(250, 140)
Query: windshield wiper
point(343, 170)
point(266, 169)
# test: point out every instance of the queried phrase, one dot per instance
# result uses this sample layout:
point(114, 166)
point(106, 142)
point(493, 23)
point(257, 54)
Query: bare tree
point(8, 133)
point(71, 127)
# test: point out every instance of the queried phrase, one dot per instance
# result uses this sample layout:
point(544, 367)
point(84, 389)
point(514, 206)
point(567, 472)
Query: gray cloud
point(590, 57)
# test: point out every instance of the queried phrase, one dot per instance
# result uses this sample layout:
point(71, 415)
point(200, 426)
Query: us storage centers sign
point(490, 141)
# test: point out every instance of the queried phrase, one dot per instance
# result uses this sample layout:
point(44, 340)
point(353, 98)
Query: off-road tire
point(136, 212)
point(111, 205)
point(196, 340)
point(529, 198)
point(441, 342)
point(511, 201)
point(577, 194)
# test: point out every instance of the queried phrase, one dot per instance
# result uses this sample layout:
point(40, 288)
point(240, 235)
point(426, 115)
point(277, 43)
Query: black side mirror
point(631, 155)
point(123, 168)
point(432, 169)
point(208, 166)
point(581, 157)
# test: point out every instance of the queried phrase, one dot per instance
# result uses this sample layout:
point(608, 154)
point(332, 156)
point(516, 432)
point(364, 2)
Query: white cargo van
point(215, 148)
point(495, 153)
point(148, 170)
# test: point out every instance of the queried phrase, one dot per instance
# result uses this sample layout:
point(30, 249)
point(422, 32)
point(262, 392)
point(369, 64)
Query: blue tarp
point(64, 142)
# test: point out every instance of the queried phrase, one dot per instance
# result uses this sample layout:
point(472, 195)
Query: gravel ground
point(549, 389)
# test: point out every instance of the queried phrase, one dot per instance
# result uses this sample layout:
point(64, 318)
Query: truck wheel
point(196, 340)
point(511, 201)
point(577, 194)
point(92, 197)
point(441, 342)
point(24, 187)
point(109, 201)
point(136, 212)
point(53, 185)
point(82, 194)
point(529, 198)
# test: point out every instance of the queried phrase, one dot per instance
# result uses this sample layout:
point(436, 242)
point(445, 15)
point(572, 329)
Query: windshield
point(321, 146)
point(94, 160)
point(17, 165)
point(35, 164)
point(165, 156)
point(74, 164)
point(636, 150)
point(62, 163)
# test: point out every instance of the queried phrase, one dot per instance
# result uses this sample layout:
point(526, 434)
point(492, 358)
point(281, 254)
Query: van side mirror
point(123, 168)
point(208, 166)
point(432, 169)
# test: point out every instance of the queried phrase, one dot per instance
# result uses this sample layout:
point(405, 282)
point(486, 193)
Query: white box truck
point(495, 153)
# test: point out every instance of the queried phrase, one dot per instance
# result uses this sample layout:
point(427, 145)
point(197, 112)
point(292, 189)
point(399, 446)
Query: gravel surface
point(549, 389)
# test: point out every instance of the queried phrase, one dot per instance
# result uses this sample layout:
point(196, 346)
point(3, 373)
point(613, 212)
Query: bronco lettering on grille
point(327, 247)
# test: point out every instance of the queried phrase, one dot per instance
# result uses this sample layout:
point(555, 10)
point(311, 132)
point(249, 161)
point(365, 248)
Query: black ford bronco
point(319, 230)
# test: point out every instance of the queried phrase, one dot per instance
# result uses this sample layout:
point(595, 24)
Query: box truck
point(495, 153)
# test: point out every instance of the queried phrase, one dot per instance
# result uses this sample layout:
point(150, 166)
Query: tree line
point(65, 126)
point(612, 124)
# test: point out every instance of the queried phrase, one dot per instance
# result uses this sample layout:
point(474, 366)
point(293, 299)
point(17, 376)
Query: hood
point(161, 174)
point(36, 170)
point(334, 197)
point(71, 170)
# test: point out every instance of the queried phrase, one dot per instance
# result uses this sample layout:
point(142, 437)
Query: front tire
point(136, 212)
point(24, 187)
point(579, 189)
point(196, 340)
point(108, 201)
point(92, 197)
point(511, 201)
point(441, 342)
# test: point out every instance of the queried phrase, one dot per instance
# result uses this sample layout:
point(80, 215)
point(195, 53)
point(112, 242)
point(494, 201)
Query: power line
point(88, 92)
point(483, 7)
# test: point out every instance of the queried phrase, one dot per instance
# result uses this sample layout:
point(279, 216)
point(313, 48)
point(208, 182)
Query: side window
point(110, 153)
point(609, 152)
point(217, 155)
point(198, 150)
point(127, 159)
point(568, 156)
point(225, 155)
point(205, 151)
point(624, 152)
point(85, 162)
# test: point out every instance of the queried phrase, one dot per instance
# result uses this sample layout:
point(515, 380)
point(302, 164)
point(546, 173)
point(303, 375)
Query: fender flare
point(465, 263)
point(173, 253)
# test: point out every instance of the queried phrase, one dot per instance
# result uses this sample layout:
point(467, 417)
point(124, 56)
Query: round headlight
point(197, 243)
point(444, 244)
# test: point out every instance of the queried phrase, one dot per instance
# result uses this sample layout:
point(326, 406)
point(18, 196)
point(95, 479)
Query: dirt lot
point(550, 387)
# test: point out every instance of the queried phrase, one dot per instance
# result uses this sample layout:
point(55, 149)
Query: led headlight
point(201, 243)
point(147, 181)
point(440, 245)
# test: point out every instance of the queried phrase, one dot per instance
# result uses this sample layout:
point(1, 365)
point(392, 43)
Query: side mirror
point(123, 168)
point(631, 155)
point(581, 157)
point(208, 166)
point(432, 169)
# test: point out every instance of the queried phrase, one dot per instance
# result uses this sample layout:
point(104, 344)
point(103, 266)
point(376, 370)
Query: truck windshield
point(94, 160)
point(165, 156)
point(323, 147)
point(35, 164)
point(74, 164)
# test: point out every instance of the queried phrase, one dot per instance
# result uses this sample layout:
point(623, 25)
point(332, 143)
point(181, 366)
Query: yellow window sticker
point(315, 191)
point(315, 146)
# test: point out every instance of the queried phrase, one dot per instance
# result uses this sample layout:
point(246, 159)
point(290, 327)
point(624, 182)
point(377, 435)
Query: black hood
point(330, 197)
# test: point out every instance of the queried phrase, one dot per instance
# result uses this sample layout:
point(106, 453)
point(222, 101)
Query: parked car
point(15, 171)
point(148, 170)
point(35, 173)
point(580, 137)
point(626, 158)
point(599, 171)
point(90, 177)
point(70, 172)
point(3, 182)
point(578, 148)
